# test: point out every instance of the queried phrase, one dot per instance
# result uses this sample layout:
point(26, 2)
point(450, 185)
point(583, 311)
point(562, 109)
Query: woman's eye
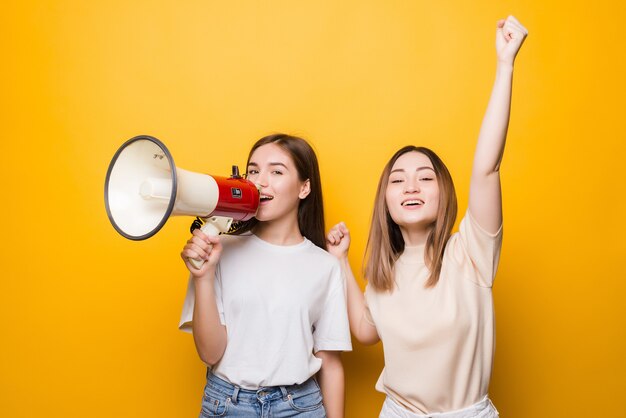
point(252, 172)
point(277, 172)
point(396, 181)
point(426, 179)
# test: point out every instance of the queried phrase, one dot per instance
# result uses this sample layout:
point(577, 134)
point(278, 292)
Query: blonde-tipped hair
point(385, 243)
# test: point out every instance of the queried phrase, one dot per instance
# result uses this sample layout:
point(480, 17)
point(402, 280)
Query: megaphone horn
point(143, 188)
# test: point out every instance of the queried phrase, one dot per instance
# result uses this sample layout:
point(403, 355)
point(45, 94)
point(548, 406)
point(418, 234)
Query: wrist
point(205, 278)
point(343, 260)
point(504, 67)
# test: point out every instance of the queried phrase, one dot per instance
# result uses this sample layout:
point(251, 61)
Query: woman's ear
point(305, 189)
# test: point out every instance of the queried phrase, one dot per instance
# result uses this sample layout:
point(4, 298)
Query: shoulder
point(320, 258)
point(320, 253)
point(471, 234)
point(317, 265)
point(474, 251)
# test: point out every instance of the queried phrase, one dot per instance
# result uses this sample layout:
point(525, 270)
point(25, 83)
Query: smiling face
point(273, 170)
point(412, 193)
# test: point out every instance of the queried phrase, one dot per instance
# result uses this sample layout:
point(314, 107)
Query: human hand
point(338, 240)
point(204, 248)
point(510, 35)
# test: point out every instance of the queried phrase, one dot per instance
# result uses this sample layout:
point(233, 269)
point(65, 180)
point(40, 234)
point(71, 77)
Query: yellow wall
point(88, 319)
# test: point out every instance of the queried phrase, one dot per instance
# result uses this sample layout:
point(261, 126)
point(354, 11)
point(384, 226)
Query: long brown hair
point(311, 208)
point(385, 243)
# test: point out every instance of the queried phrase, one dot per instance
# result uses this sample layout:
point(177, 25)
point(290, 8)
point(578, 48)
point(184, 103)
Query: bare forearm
point(208, 332)
point(485, 200)
point(331, 380)
point(364, 332)
point(492, 137)
point(338, 240)
point(510, 35)
point(356, 299)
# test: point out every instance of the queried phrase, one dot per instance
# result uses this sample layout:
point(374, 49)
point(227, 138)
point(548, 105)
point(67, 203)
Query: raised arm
point(338, 244)
point(209, 334)
point(485, 200)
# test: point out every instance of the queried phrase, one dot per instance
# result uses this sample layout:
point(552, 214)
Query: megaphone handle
point(214, 226)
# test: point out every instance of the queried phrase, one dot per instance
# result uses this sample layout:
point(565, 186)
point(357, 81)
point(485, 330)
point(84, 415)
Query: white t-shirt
point(280, 304)
point(439, 342)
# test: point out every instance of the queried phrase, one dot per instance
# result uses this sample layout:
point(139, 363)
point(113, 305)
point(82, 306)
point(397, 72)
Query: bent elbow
point(366, 335)
point(210, 360)
point(211, 356)
point(365, 338)
point(368, 340)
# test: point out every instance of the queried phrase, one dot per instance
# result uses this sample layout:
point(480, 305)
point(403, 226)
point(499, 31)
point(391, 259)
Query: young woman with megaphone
point(267, 307)
point(428, 297)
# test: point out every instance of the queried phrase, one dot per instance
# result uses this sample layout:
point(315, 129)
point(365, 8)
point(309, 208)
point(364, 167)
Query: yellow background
point(88, 320)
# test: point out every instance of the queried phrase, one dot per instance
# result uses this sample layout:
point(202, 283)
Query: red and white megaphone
point(143, 188)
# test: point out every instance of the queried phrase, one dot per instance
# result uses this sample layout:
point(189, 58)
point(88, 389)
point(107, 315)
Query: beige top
point(439, 342)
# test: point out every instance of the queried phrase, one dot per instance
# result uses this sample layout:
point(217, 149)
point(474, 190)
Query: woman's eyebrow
point(253, 164)
point(417, 169)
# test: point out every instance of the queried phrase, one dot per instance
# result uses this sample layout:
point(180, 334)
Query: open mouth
point(413, 202)
point(266, 198)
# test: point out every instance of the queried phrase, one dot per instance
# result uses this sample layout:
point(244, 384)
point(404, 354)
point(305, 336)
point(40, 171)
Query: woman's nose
point(261, 180)
point(411, 186)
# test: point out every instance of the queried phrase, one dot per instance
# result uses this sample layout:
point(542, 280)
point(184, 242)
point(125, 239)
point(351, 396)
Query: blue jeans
point(223, 399)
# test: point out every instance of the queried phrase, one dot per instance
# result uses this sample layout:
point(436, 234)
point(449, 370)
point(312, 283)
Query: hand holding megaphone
point(143, 188)
point(213, 227)
point(201, 248)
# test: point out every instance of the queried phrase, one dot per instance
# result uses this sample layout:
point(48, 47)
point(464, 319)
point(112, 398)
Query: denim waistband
point(266, 393)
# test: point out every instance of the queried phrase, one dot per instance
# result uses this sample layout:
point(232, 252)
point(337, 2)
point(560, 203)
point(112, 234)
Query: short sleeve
point(478, 250)
point(332, 330)
point(186, 317)
point(367, 315)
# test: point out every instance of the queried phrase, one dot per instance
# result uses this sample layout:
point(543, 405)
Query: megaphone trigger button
point(197, 223)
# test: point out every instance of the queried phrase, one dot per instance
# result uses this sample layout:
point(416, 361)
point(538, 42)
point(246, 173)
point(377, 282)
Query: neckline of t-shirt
point(281, 248)
point(413, 254)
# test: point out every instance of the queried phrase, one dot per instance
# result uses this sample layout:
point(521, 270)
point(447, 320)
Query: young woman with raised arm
point(429, 296)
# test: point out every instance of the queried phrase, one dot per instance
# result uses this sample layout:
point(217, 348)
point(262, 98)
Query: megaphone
point(143, 188)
